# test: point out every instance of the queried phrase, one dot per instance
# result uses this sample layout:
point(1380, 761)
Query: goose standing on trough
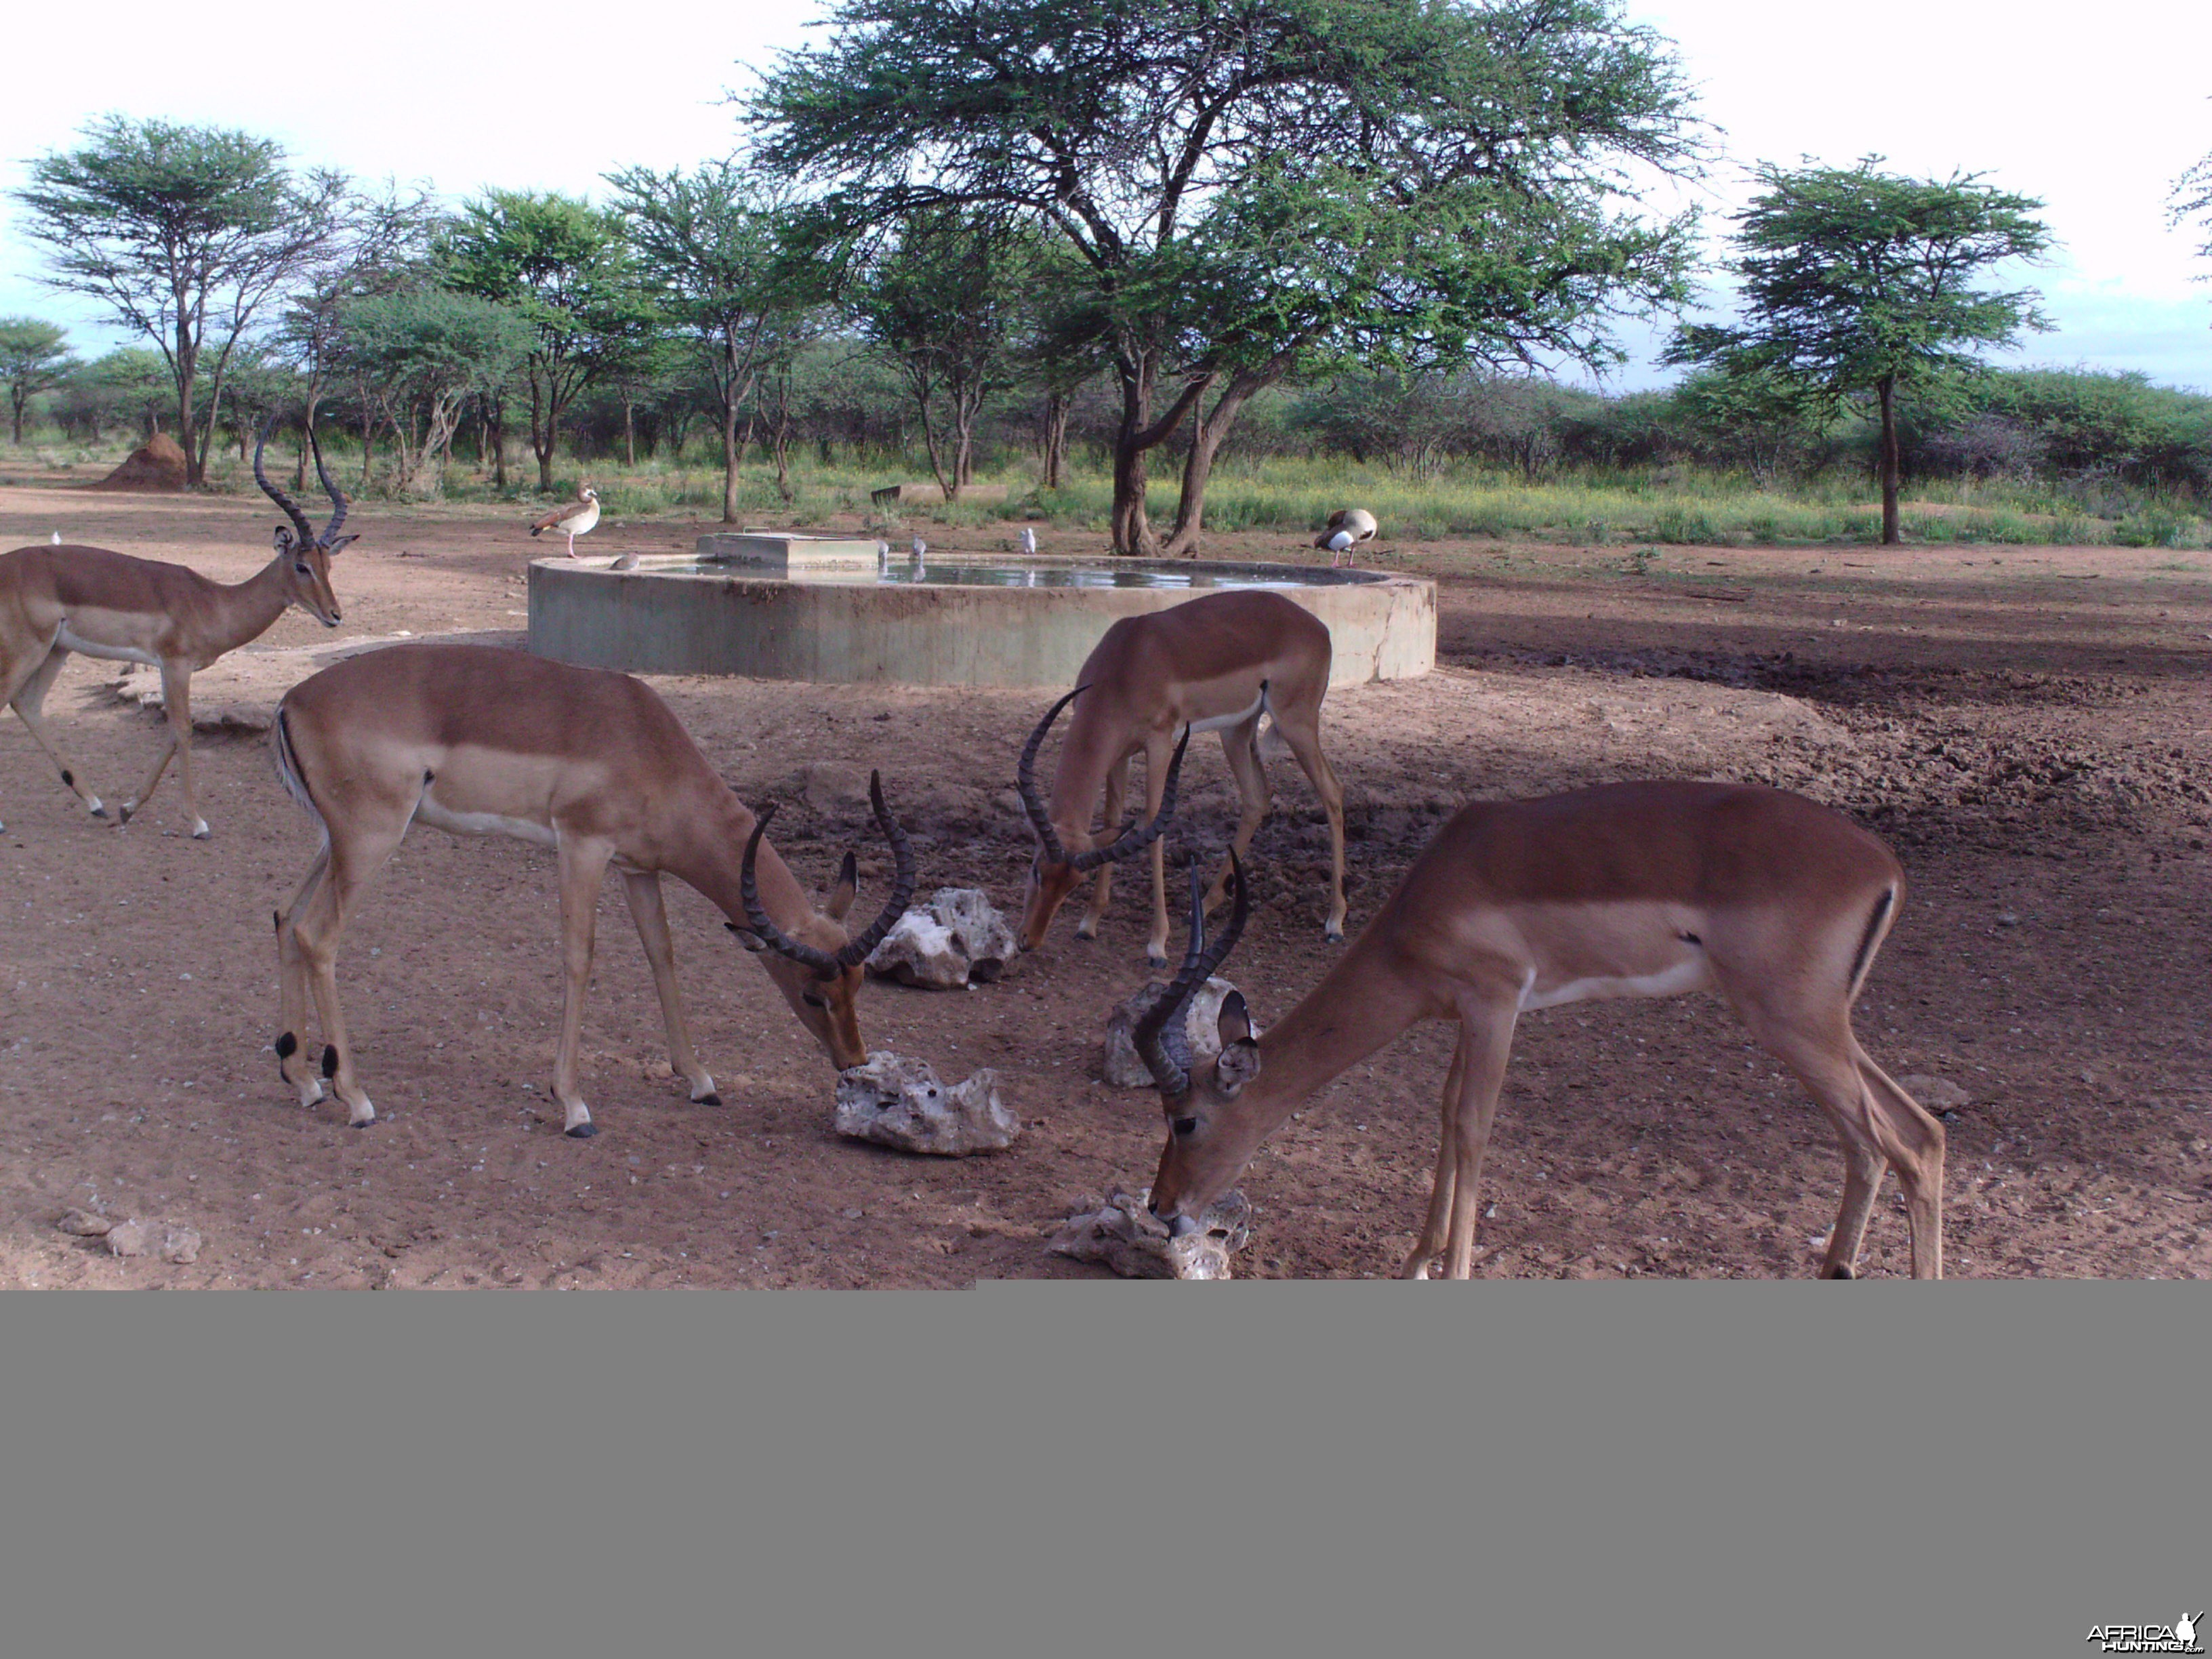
point(574, 519)
point(1345, 527)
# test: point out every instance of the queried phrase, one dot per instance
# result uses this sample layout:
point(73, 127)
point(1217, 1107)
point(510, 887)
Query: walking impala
point(481, 740)
point(54, 600)
point(1212, 663)
point(1630, 890)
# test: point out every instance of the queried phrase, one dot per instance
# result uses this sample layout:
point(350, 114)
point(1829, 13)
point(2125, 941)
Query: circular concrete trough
point(951, 620)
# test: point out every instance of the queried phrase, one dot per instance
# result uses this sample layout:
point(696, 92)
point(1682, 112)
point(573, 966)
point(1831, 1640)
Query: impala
point(57, 600)
point(1216, 663)
point(1629, 890)
point(481, 740)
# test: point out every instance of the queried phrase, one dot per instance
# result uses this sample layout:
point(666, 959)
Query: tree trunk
point(1134, 439)
point(1891, 536)
point(1206, 439)
point(15, 394)
point(729, 452)
point(630, 428)
point(1056, 437)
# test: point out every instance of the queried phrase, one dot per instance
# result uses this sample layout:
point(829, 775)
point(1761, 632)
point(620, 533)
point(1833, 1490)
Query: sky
point(2094, 110)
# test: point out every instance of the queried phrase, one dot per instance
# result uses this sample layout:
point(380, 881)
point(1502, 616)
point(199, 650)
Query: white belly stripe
point(483, 823)
point(1693, 974)
point(1217, 722)
point(84, 647)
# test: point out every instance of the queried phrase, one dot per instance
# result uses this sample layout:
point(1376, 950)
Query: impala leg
point(642, 890)
point(1117, 791)
point(176, 693)
point(583, 869)
point(28, 698)
point(1912, 1139)
point(1241, 745)
point(1301, 729)
point(292, 986)
point(1156, 784)
point(1486, 1036)
point(316, 925)
point(1416, 1264)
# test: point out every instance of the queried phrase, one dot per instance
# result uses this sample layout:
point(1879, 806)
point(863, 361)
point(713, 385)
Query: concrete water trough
point(782, 607)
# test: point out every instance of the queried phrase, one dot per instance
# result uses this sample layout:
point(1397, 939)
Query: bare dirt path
point(2031, 728)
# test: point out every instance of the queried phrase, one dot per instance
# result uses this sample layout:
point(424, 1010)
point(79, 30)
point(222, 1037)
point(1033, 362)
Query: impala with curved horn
point(1217, 663)
point(1628, 889)
point(57, 600)
point(482, 740)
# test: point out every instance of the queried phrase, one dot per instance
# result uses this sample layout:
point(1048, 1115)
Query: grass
point(1668, 506)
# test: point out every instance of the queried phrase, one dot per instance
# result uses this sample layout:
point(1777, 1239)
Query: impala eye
point(303, 570)
point(1183, 1126)
point(811, 1001)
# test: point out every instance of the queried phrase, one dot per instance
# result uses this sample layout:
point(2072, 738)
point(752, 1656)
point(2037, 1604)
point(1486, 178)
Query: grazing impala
point(1630, 890)
point(54, 600)
point(1216, 663)
point(480, 740)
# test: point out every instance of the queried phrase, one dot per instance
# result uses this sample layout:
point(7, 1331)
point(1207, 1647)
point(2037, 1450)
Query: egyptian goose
point(1345, 527)
point(572, 520)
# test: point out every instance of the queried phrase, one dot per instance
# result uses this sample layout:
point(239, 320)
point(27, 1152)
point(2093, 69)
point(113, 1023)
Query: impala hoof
point(583, 1131)
point(1155, 958)
point(200, 831)
point(1332, 935)
point(123, 813)
point(98, 810)
point(710, 1099)
point(1843, 1273)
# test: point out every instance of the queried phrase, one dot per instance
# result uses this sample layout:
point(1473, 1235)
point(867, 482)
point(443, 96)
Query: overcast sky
point(2095, 109)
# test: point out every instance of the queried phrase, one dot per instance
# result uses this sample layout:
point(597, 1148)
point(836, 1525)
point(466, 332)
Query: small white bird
point(921, 547)
point(57, 539)
point(574, 519)
point(1346, 525)
point(1029, 542)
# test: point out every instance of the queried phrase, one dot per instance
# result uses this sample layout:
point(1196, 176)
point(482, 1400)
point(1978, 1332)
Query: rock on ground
point(1938, 1094)
point(129, 1238)
point(957, 938)
point(1123, 1068)
point(1121, 1233)
point(896, 1102)
point(83, 1223)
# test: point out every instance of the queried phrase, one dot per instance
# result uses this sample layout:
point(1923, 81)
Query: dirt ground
point(2030, 729)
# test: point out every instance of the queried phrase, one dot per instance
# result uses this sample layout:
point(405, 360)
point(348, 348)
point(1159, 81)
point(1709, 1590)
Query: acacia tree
point(562, 263)
point(184, 233)
point(34, 357)
point(711, 246)
point(946, 302)
point(1859, 284)
point(1257, 186)
point(423, 354)
point(2192, 199)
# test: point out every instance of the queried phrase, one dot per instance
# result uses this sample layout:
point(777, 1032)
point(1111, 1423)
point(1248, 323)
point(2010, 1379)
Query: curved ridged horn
point(857, 951)
point(291, 507)
point(824, 964)
point(1025, 780)
point(337, 498)
point(1160, 1038)
point(1134, 839)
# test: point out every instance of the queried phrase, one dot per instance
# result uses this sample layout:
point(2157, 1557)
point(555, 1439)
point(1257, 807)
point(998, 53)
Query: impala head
point(1209, 1141)
point(306, 554)
point(1055, 873)
point(819, 969)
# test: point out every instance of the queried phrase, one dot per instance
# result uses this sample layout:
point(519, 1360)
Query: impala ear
point(1235, 1022)
point(283, 538)
point(1238, 1064)
point(841, 895)
point(339, 543)
point(746, 937)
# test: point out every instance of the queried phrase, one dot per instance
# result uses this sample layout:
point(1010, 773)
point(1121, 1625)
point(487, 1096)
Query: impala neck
point(252, 606)
point(711, 857)
point(1085, 759)
point(1364, 1002)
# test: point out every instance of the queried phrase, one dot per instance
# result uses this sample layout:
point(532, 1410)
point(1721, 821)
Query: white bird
point(921, 547)
point(574, 519)
point(1347, 526)
point(57, 539)
point(1029, 542)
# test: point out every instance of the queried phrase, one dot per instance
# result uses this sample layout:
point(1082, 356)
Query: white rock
point(957, 938)
point(127, 1239)
point(1938, 1094)
point(900, 1102)
point(1122, 1068)
point(179, 1244)
point(84, 1223)
point(1123, 1235)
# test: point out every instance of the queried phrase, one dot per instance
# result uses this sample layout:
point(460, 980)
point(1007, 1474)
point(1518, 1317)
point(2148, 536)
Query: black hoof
point(1152, 960)
point(582, 1131)
point(1843, 1273)
point(710, 1099)
point(366, 1123)
point(100, 811)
